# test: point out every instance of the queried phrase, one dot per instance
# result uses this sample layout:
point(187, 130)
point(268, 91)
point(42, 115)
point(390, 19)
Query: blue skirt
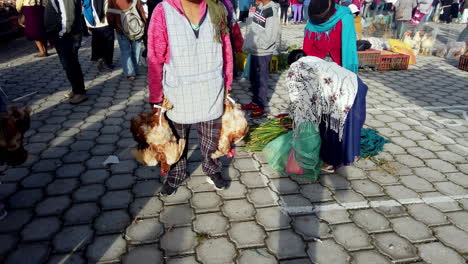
point(338, 153)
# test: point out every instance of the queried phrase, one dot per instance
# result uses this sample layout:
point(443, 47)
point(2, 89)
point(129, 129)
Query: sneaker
point(257, 112)
point(69, 95)
point(131, 78)
point(167, 190)
point(78, 98)
point(218, 181)
point(251, 106)
point(3, 212)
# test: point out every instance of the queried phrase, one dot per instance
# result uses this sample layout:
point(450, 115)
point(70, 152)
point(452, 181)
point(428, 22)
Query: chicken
point(427, 43)
point(234, 128)
point(156, 141)
point(417, 40)
point(13, 125)
point(408, 39)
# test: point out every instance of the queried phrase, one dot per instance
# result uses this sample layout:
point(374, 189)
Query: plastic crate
point(274, 64)
point(463, 63)
point(369, 59)
point(390, 61)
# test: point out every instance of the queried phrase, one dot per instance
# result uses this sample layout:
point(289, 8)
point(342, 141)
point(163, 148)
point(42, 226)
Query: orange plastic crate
point(463, 63)
point(393, 62)
point(369, 58)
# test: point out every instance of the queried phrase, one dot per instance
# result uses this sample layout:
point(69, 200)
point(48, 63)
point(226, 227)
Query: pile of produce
point(260, 135)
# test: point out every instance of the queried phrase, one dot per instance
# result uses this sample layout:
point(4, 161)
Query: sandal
point(328, 169)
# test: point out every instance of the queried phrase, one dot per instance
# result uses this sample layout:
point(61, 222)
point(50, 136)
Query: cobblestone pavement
point(409, 205)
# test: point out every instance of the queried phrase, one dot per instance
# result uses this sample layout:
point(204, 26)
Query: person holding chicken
point(190, 64)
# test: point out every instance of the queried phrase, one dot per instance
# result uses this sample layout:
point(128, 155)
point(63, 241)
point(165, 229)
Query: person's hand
point(155, 110)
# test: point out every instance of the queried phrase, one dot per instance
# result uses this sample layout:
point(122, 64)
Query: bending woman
point(330, 32)
point(334, 99)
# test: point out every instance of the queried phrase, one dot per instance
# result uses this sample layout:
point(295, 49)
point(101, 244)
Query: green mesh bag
point(306, 143)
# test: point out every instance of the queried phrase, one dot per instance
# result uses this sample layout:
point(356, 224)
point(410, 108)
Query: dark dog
point(13, 125)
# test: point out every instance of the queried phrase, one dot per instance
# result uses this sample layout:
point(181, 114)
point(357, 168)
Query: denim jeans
point(130, 51)
point(67, 49)
point(305, 13)
point(259, 72)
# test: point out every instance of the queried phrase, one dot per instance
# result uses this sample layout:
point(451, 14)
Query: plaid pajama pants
point(208, 136)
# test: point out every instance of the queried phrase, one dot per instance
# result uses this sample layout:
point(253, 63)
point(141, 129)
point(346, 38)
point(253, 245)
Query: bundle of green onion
point(260, 135)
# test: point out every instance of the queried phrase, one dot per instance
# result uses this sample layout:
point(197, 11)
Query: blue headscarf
point(349, 57)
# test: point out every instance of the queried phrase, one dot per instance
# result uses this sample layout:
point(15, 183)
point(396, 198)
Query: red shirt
point(325, 45)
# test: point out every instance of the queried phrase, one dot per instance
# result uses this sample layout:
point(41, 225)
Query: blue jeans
point(67, 49)
point(130, 51)
point(259, 73)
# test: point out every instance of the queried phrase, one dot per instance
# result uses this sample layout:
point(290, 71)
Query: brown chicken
point(157, 144)
point(234, 128)
point(13, 125)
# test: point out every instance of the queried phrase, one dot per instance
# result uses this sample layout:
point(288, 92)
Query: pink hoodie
point(159, 51)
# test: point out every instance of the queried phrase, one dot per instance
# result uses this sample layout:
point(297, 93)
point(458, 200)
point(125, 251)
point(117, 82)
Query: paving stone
point(144, 231)
point(146, 254)
point(272, 218)
point(144, 173)
point(238, 210)
point(7, 189)
point(416, 183)
point(15, 220)
point(452, 237)
point(284, 186)
point(206, 202)
point(125, 166)
point(427, 214)
point(411, 229)
point(403, 142)
point(400, 193)
point(367, 188)
point(212, 224)
point(120, 182)
point(327, 251)
point(177, 215)
point(95, 162)
point(200, 184)
point(226, 251)
point(26, 198)
point(146, 207)
point(148, 188)
point(94, 176)
point(179, 241)
point(14, 174)
point(382, 178)
point(460, 219)
point(247, 234)
point(338, 215)
point(245, 165)
point(116, 200)
point(437, 253)
point(260, 256)
point(429, 174)
point(364, 164)
point(297, 261)
point(371, 221)
point(82, 213)
point(236, 190)
point(409, 161)
point(40, 229)
point(73, 238)
point(450, 189)
point(53, 205)
point(37, 180)
point(310, 227)
point(351, 237)
point(285, 244)
point(103, 149)
point(182, 260)
point(393, 148)
point(111, 222)
point(28, 253)
point(421, 153)
point(70, 171)
point(66, 258)
point(106, 248)
point(458, 178)
point(440, 201)
point(62, 186)
point(335, 182)
point(270, 173)
point(88, 193)
point(262, 197)
point(388, 207)
point(253, 180)
point(368, 257)
point(397, 248)
point(9, 241)
point(76, 157)
point(440, 165)
point(316, 193)
point(350, 199)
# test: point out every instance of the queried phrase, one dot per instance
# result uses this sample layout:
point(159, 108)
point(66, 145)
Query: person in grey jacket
point(62, 20)
point(403, 13)
point(261, 41)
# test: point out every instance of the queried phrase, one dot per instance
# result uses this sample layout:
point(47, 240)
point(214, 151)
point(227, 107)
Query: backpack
point(132, 25)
